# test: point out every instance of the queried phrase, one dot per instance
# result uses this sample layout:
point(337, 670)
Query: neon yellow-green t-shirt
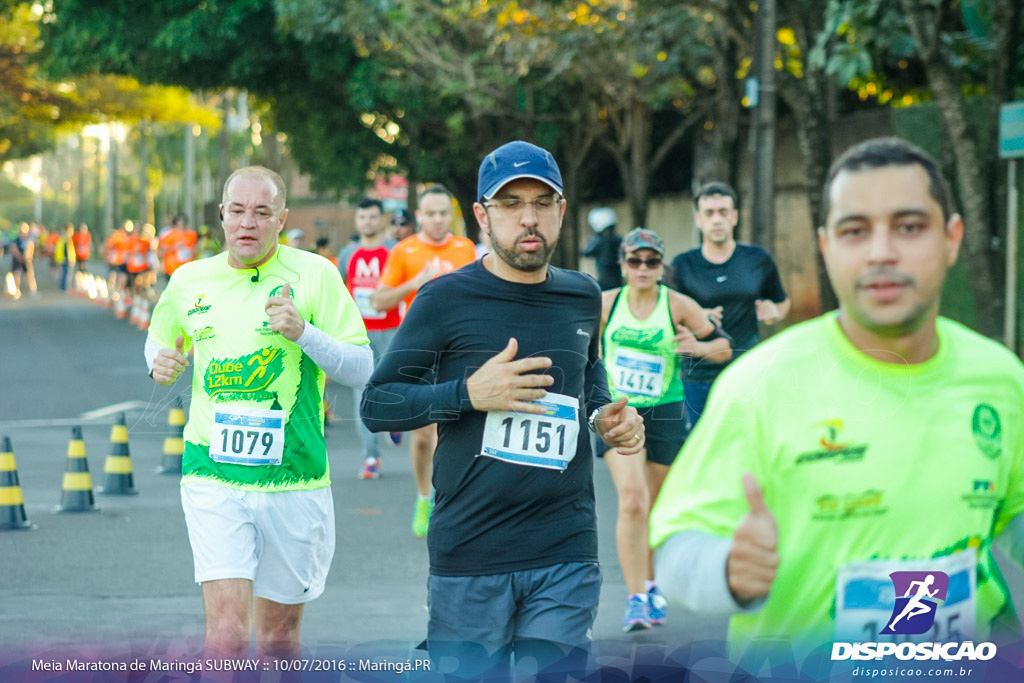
point(858, 460)
point(240, 362)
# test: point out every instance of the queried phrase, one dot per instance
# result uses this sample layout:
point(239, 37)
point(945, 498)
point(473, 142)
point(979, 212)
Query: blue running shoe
point(396, 438)
point(657, 605)
point(636, 618)
point(371, 469)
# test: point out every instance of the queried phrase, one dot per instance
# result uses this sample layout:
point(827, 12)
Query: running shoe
point(657, 605)
point(371, 469)
point(396, 437)
point(421, 516)
point(636, 618)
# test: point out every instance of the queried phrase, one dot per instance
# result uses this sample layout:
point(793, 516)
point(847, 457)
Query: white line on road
point(123, 407)
point(90, 416)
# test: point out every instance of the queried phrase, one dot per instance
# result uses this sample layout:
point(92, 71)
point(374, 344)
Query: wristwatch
point(593, 418)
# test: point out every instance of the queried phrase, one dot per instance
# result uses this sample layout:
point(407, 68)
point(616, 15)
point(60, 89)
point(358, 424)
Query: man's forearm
point(349, 364)
point(386, 298)
point(402, 407)
point(690, 567)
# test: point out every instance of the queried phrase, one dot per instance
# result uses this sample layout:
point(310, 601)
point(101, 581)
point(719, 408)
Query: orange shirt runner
point(177, 248)
point(138, 254)
point(116, 248)
point(83, 245)
point(410, 256)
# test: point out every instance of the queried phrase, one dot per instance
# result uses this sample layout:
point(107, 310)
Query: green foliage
point(35, 109)
point(425, 86)
point(217, 44)
point(867, 46)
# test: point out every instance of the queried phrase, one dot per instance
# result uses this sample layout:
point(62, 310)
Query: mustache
point(876, 276)
point(530, 232)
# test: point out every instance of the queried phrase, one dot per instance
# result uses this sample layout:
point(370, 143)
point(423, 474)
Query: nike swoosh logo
point(521, 163)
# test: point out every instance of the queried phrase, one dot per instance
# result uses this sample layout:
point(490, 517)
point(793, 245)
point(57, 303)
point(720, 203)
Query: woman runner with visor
point(645, 328)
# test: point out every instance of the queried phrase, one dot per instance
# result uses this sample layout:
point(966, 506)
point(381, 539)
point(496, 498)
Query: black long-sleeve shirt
point(492, 516)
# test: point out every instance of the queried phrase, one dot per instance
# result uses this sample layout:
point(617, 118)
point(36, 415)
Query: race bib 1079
point(247, 436)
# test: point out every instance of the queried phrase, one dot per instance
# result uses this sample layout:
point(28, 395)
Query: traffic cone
point(133, 316)
point(76, 492)
point(102, 293)
point(142, 321)
point(174, 442)
point(89, 282)
point(12, 505)
point(118, 465)
point(120, 305)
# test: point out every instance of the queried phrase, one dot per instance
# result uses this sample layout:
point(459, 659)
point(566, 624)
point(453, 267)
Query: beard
point(527, 261)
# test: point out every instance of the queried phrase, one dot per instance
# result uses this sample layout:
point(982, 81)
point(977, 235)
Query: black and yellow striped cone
point(174, 443)
point(76, 492)
point(118, 465)
point(12, 505)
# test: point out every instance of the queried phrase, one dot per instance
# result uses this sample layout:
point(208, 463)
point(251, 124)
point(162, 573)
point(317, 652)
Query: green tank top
point(639, 355)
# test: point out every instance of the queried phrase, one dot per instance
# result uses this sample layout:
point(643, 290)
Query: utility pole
point(189, 210)
point(762, 93)
point(111, 213)
point(144, 210)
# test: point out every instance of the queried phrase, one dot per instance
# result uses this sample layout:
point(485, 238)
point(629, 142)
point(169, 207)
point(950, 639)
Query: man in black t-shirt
point(738, 283)
point(503, 354)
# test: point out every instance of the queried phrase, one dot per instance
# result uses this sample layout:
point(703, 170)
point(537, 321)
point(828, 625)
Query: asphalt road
point(117, 583)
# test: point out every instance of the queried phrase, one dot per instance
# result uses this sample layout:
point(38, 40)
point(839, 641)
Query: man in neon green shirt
point(263, 323)
point(876, 439)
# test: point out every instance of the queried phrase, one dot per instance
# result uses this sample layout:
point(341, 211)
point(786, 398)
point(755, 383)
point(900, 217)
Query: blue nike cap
point(515, 160)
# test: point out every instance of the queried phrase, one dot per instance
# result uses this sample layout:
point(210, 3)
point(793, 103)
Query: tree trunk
point(724, 165)
point(628, 145)
point(970, 180)
point(223, 140)
point(574, 154)
point(1002, 40)
point(806, 97)
point(640, 127)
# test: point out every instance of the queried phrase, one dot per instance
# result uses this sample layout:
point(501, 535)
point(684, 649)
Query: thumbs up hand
point(284, 316)
point(503, 383)
point(753, 557)
point(169, 363)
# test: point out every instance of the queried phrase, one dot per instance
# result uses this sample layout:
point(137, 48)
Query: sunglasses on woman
point(635, 262)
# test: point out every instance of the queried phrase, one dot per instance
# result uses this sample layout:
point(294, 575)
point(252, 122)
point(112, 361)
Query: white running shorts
point(282, 541)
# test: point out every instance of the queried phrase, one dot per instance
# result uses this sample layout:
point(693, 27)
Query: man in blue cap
point(512, 376)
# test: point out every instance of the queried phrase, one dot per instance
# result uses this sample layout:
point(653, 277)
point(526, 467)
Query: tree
point(220, 44)
point(633, 68)
point(966, 51)
point(30, 107)
point(804, 85)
